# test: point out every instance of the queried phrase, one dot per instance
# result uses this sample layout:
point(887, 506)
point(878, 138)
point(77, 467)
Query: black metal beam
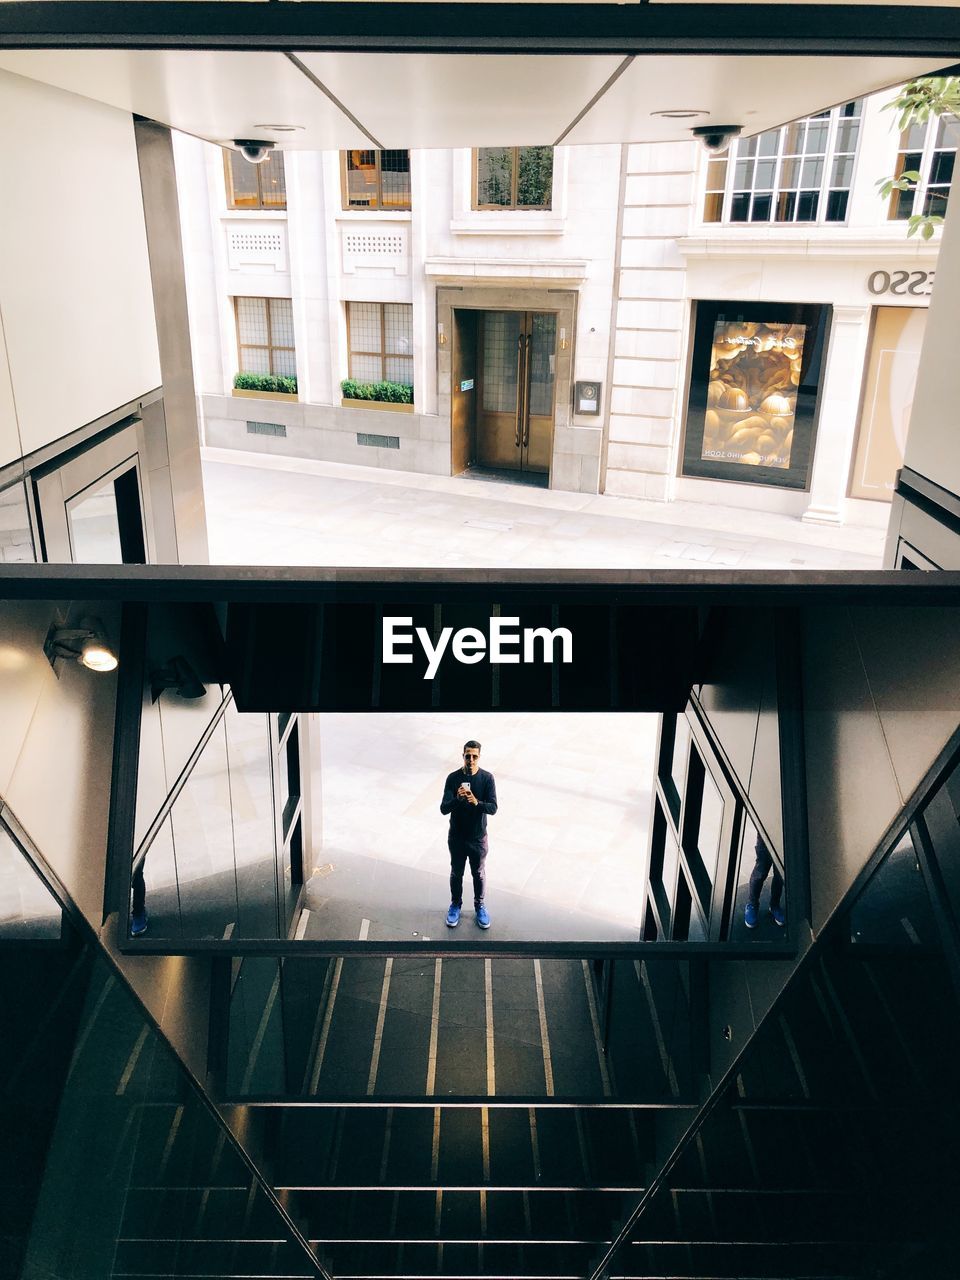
point(827, 30)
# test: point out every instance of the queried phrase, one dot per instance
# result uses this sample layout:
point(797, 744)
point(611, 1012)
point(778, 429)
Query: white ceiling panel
point(757, 93)
point(451, 100)
point(214, 95)
point(445, 100)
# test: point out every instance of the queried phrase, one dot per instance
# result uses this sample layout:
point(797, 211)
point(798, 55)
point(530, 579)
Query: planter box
point(376, 404)
point(266, 395)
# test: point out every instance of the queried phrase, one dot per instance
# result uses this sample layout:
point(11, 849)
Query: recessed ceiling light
point(281, 128)
point(681, 113)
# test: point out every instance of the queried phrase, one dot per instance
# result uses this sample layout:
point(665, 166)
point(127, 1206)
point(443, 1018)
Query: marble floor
point(264, 510)
point(567, 845)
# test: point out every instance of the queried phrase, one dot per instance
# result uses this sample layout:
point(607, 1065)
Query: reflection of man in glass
point(469, 794)
point(761, 869)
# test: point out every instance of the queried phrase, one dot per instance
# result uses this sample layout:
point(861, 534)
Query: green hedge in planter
point(385, 392)
point(264, 382)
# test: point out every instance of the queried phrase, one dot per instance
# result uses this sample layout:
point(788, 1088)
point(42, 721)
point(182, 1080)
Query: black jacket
point(468, 822)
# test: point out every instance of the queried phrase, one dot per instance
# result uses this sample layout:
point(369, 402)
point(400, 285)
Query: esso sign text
point(918, 284)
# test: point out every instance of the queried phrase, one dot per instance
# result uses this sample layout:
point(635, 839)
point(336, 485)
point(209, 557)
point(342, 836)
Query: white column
point(840, 400)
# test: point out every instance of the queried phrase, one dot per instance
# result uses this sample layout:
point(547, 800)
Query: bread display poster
point(752, 393)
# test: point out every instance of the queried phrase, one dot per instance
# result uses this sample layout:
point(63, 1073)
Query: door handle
point(519, 423)
point(526, 394)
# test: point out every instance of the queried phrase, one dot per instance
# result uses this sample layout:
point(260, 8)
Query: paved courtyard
point(282, 511)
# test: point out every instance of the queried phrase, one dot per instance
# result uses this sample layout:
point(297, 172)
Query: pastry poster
point(752, 394)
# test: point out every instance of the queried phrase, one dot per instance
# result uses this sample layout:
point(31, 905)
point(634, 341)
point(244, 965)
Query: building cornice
point(568, 270)
point(783, 245)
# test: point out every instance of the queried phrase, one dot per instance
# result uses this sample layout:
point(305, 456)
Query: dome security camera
point(716, 137)
point(253, 149)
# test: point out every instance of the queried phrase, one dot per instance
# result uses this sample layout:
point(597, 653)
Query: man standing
point(761, 869)
point(469, 794)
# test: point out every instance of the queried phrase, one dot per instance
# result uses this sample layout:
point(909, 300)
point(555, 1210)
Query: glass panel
point(542, 358)
point(494, 176)
point(761, 208)
point(842, 171)
point(273, 185)
point(740, 207)
point(793, 138)
point(764, 174)
point(281, 322)
point(361, 179)
point(759, 883)
point(894, 908)
point(767, 143)
point(816, 142)
point(16, 540)
point(242, 192)
point(27, 908)
point(399, 369)
point(812, 173)
point(395, 179)
point(713, 207)
point(848, 132)
point(366, 368)
point(678, 764)
point(501, 332)
point(535, 177)
point(364, 321)
point(252, 321)
point(935, 202)
point(252, 818)
point(786, 206)
point(837, 206)
point(948, 133)
point(95, 527)
point(889, 386)
point(942, 818)
point(128, 1171)
point(789, 172)
point(807, 205)
point(711, 822)
point(941, 170)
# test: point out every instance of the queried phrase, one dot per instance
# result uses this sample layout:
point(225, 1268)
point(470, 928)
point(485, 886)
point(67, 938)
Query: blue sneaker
point(138, 925)
point(453, 916)
point(750, 915)
point(483, 919)
point(778, 915)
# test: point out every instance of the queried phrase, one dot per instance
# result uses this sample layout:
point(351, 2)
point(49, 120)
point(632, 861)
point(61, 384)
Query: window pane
point(242, 190)
point(761, 207)
point(366, 368)
point(837, 206)
point(542, 348)
point(941, 170)
point(842, 171)
point(812, 173)
point(363, 319)
point(936, 202)
point(713, 207)
point(767, 142)
point(361, 179)
point(281, 321)
point(501, 330)
point(273, 185)
point(847, 134)
point(395, 179)
point(912, 138)
point(786, 206)
point(765, 172)
point(793, 138)
point(743, 175)
point(252, 321)
point(398, 328)
point(711, 821)
point(716, 174)
point(948, 133)
point(399, 369)
point(807, 204)
point(740, 207)
point(285, 363)
point(254, 360)
point(901, 204)
point(494, 175)
point(535, 177)
point(817, 137)
point(790, 173)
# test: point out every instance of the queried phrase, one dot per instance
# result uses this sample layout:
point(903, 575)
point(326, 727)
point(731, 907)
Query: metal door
point(517, 374)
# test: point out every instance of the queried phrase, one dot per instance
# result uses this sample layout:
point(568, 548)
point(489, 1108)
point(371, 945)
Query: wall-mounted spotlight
point(179, 675)
point(441, 336)
point(86, 644)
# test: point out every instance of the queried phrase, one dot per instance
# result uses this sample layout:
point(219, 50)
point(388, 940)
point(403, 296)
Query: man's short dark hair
point(472, 743)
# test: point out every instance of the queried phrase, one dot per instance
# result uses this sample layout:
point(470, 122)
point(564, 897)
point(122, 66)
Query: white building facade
point(640, 320)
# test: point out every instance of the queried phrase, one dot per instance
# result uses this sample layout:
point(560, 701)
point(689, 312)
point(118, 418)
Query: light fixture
point(441, 336)
point(281, 128)
point(680, 113)
point(179, 675)
point(85, 644)
point(563, 339)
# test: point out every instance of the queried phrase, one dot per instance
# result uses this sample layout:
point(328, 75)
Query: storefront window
point(753, 394)
point(887, 400)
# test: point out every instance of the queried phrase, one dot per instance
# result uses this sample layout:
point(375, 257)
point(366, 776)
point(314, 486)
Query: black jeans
point(460, 852)
point(761, 869)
